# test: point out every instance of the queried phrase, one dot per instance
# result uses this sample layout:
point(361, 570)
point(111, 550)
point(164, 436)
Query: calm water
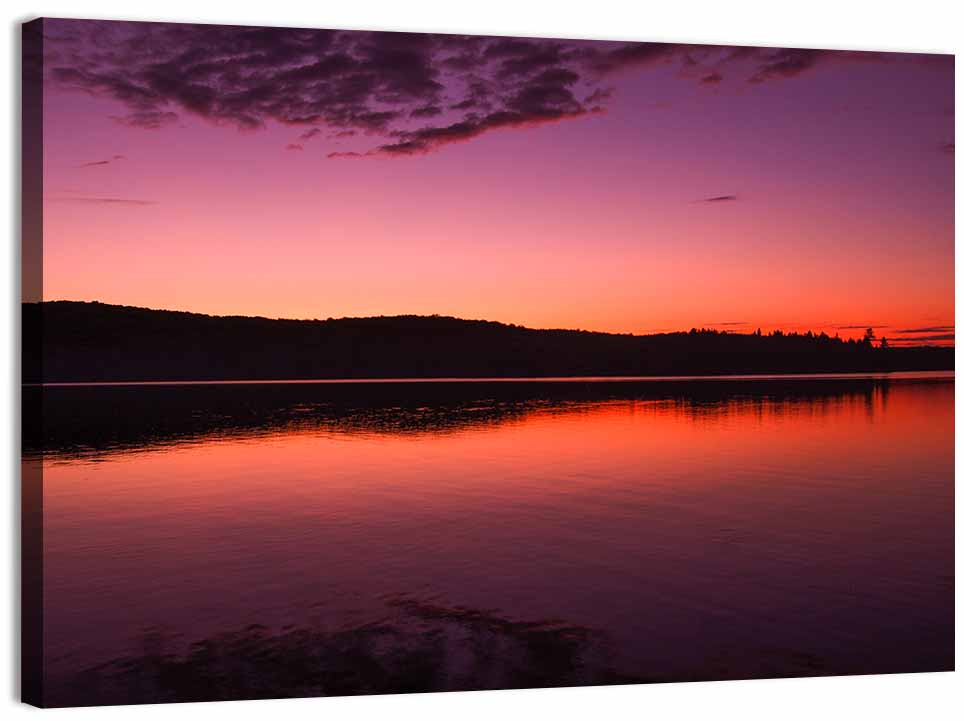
point(340, 539)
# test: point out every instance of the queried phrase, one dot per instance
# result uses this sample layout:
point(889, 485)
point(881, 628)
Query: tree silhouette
point(77, 342)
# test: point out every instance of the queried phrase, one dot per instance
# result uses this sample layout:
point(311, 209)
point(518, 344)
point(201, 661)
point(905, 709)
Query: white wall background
point(922, 25)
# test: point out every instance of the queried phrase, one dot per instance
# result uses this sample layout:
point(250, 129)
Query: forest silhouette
point(66, 341)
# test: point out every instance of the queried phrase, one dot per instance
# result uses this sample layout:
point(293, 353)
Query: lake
point(256, 540)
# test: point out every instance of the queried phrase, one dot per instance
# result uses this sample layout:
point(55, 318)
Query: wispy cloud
point(108, 161)
point(115, 201)
point(927, 329)
point(718, 199)
point(943, 337)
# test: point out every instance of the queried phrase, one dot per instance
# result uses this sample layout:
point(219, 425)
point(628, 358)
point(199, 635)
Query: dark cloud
point(860, 326)
point(608, 59)
point(719, 199)
point(426, 111)
point(599, 95)
point(947, 148)
point(427, 139)
point(294, 146)
point(929, 329)
point(787, 63)
point(108, 161)
point(924, 338)
point(537, 56)
point(417, 92)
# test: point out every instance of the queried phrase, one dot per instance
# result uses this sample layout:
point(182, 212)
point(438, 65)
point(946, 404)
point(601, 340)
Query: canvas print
point(376, 362)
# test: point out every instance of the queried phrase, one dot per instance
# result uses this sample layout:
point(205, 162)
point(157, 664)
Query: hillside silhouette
point(66, 341)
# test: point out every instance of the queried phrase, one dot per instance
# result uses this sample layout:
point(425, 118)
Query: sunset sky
point(550, 183)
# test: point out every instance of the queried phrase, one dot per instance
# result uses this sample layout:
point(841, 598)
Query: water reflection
point(307, 540)
point(413, 647)
point(95, 420)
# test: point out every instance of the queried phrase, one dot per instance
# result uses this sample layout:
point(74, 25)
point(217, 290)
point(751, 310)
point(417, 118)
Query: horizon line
point(729, 377)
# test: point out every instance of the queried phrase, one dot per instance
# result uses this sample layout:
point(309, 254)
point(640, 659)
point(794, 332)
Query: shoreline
point(869, 375)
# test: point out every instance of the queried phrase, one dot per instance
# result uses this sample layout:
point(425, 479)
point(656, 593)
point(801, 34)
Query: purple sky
point(627, 187)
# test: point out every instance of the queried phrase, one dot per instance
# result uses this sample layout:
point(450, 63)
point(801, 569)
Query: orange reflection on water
point(639, 517)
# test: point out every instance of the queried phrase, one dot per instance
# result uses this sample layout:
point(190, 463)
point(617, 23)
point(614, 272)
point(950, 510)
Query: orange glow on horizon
point(837, 219)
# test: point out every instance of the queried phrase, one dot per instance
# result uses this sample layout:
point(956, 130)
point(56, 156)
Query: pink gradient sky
point(842, 179)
